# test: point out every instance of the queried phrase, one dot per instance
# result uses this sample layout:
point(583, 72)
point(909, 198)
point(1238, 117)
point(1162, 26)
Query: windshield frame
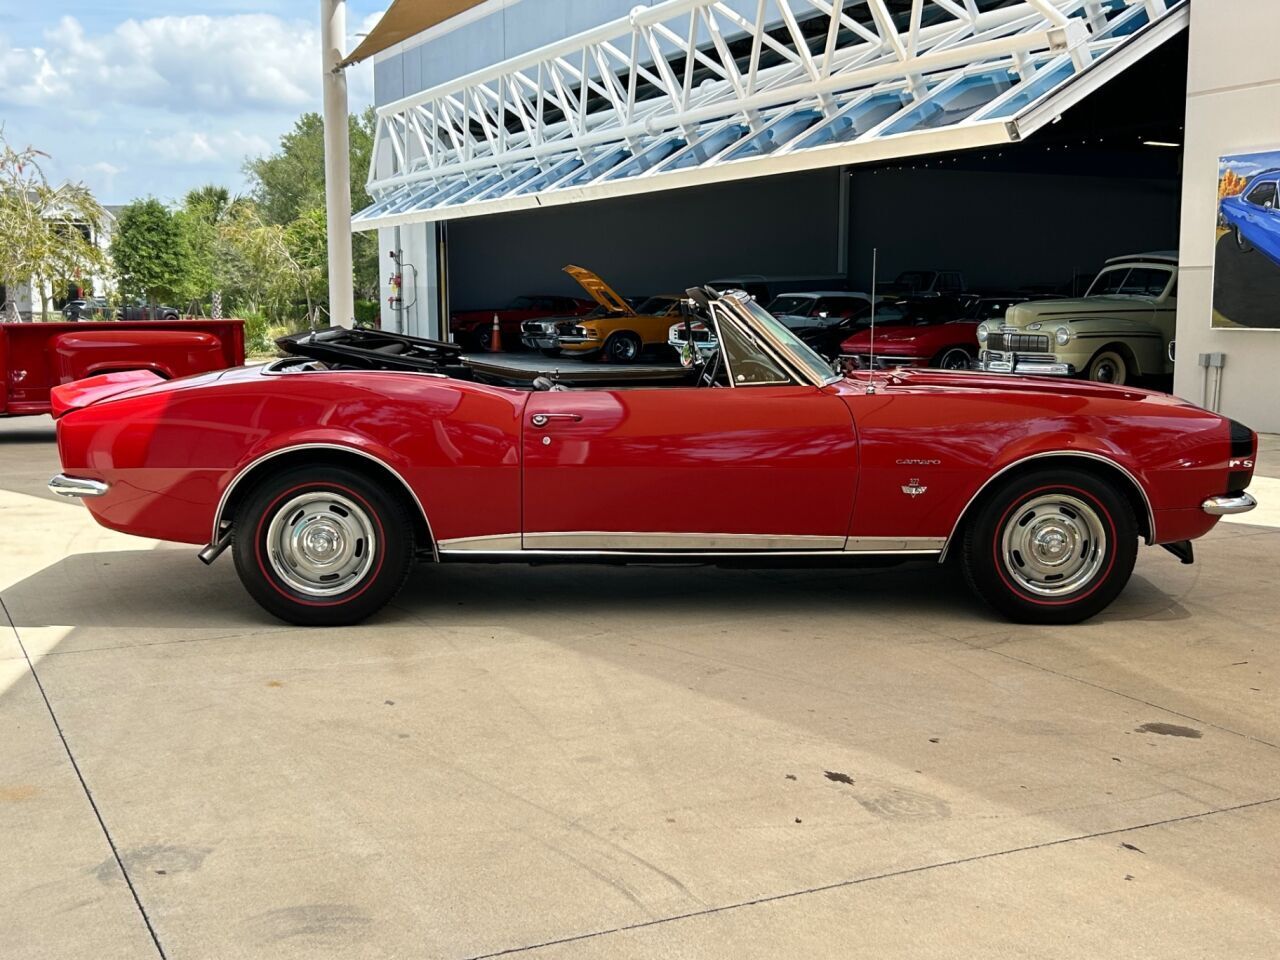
point(1127, 269)
point(802, 360)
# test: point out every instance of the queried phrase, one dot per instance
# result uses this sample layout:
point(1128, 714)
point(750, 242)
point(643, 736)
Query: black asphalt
point(1246, 286)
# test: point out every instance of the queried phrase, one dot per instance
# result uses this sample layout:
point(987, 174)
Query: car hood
point(600, 291)
point(1062, 310)
point(925, 379)
point(885, 336)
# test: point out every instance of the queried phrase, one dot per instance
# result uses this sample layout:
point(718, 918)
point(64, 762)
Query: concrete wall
point(1004, 229)
point(1232, 86)
point(785, 226)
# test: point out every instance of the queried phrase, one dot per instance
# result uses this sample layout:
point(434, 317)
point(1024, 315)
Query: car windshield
point(991, 309)
point(791, 306)
point(1130, 282)
point(801, 353)
point(655, 306)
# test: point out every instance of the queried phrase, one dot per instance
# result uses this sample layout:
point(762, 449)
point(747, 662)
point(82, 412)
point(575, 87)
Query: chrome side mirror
point(1172, 343)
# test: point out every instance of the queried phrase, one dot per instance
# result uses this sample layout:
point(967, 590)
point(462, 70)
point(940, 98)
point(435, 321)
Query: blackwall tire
point(954, 358)
point(622, 348)
point(1243, 245)
point(1051, 546)
point(322, 546)
point(1108, 366)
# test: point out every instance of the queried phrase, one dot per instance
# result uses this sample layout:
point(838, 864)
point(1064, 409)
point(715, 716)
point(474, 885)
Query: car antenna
point(871, 359)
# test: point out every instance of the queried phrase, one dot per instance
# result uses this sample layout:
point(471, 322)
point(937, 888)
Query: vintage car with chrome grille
point(615, 331)
point(330, 471)
point(1117, 332)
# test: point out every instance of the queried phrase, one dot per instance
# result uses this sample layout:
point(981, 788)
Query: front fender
point(1144, 341)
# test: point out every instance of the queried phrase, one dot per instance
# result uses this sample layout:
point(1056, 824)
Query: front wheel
point(322, 547)
point(1052, 546)
point(1108, 366)
point(954, 358)
point(1243, 245)
point(622, 348)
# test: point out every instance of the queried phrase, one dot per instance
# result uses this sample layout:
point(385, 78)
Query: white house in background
point(27, 302)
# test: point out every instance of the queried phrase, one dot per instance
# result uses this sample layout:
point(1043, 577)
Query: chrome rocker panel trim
point(1226, 506)
point(589, 542)
point(77, 488)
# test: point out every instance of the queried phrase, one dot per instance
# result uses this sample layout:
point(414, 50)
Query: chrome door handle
point(542, 419)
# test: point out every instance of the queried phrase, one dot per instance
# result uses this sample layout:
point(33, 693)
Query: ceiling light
point(1159, 143)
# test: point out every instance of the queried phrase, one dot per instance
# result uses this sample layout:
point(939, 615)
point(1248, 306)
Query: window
point(1263, 195)
point(791, 306)
point(1130, 282)
point(749, 364)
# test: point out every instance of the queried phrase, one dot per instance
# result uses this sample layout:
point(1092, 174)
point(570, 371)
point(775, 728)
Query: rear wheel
point(1052, 546)
point(622, 348)
point(1108, 366)
point(322, 547)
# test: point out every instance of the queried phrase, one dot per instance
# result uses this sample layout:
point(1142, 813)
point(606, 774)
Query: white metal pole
point(337, 162)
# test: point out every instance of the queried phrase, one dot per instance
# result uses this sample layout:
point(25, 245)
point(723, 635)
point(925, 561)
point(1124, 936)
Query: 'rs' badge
point(913, 489)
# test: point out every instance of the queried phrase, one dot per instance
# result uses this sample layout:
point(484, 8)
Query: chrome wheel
point(623, 348)
point(1054, 545)
point(321, 544)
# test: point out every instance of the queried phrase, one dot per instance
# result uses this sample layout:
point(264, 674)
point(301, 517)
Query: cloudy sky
point(144, 98)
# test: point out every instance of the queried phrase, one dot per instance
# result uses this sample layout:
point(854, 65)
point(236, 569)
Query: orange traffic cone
point(495, 340)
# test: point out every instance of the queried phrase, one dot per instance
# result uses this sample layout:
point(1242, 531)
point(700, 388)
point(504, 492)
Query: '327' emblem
point(913, 488)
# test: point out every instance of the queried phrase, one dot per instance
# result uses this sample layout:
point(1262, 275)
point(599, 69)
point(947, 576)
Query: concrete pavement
point(591, 762)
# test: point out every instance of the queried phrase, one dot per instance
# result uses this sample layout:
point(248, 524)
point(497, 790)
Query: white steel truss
point(696, 91)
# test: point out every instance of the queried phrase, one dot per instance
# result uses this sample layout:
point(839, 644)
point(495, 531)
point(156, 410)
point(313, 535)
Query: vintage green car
point(1118, 331)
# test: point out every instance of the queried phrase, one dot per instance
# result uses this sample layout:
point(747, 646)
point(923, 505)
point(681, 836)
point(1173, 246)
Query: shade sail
point(404, 19)
point(691, 92)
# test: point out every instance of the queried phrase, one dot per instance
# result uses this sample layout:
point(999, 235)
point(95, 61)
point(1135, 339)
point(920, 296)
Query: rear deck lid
point(82, 393)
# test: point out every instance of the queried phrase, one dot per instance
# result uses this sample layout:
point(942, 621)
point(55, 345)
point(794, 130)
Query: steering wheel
point(710, 370)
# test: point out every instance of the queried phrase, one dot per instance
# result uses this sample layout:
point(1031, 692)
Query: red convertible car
point(937, 332)
point(329, 472)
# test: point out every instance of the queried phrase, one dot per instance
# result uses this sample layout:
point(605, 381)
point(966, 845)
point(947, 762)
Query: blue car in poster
point(1253, 215)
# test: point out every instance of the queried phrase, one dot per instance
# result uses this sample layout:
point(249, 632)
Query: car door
point(767, 463)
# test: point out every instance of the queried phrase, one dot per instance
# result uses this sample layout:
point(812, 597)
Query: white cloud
point(182, 64)
point(199, 146)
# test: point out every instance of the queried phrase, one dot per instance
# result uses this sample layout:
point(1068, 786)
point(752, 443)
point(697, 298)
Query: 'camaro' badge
point(913, 489)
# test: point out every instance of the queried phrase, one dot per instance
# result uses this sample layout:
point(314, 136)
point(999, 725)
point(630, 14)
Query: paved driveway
point(566, 762)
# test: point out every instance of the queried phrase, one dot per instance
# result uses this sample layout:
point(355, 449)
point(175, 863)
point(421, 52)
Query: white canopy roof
point(692, 91)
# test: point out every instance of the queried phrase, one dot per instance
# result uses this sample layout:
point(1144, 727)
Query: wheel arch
point(315, 454)
point(1103, 467)
point(1126, 353)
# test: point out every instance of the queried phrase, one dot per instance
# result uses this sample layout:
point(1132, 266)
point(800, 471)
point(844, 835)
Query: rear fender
point(82, 393)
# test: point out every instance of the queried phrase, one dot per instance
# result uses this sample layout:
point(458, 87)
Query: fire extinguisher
point(394, 301)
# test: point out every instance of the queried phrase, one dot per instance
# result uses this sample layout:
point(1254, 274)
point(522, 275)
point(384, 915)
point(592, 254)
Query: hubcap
point(1054, 545)
point(321, 544)
point(624, 349)
point(1106, 372)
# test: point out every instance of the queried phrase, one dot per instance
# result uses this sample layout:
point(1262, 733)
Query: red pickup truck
point(35, 357)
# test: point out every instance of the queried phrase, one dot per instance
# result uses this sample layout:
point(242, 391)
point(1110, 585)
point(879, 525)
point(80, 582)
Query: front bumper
point(994, 361)
point(1229, 504)
point(77, 487)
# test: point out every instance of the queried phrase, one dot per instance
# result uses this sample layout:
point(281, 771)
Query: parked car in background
point(330, 472)
point(926, 283)
point(1253, 216)
point(822, 308)
point(1119, 331)
point(36, 357)
point(926, 332)
point(755, 285)
point(474, 328)
point(87, 308)
point(141, 310)
point(615, 331)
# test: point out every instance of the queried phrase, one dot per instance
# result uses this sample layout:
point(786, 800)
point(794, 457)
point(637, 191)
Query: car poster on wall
point(1246, 268)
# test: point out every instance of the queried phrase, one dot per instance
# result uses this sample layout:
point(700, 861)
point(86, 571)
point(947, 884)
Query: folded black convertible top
point(373, 349)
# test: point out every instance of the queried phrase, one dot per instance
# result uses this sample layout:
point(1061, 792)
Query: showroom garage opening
point(1017, 142)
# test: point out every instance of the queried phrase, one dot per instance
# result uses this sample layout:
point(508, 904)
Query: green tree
point(289, 184)
point(150, 251)
point(45, 232)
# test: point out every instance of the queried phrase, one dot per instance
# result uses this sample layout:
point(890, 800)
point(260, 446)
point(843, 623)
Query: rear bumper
point(1226, 506)
point(77, 487)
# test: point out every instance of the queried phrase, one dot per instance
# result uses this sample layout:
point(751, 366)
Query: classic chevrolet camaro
point(329, 472)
